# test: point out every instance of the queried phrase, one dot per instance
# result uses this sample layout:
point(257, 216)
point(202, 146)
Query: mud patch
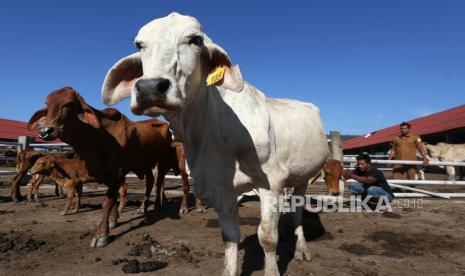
point(118, 261)
point(19, 243)
point(418, 244)
point(391, 215)
point(149, 248)
point(357, 249)
point(355, 270)
point(134, 266)
point(396, 244)
point(2, 212)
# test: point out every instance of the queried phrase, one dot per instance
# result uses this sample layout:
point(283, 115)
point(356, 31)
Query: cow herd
point(233, 138)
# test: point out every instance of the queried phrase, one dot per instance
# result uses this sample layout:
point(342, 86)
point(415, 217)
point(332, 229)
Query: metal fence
point(23, 142)
point(16, 146)
point(49, 147)
point(10, 146)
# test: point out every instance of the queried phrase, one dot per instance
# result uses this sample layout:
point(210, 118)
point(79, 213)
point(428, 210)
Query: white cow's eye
point(196, 40)
point(138, 45)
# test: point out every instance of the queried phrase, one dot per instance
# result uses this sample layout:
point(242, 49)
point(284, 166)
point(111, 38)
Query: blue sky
point(367, 64)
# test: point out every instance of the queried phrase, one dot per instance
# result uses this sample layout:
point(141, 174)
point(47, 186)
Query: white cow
point(235, 138)
point(447, 153)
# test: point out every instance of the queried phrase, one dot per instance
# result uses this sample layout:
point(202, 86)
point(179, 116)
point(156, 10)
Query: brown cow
point(332, 171)
point(24, 162)
point(110, 144)
point(68, 173)
point(185, 178)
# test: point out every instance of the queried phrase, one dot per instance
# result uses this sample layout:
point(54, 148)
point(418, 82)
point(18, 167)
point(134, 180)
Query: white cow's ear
point(120, 79)
point(217, 57)
point(233, 79)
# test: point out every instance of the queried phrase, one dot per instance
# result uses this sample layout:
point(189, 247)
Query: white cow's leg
point(450, 172)
point(242, 196)
point(268, 229)
point(229, 223)
point(422, 174)
point(301, 250)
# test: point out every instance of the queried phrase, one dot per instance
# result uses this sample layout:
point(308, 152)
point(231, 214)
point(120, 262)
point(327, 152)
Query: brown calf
point(110, 144)
point(332, 171)
point(68, 173)
point(24, 162)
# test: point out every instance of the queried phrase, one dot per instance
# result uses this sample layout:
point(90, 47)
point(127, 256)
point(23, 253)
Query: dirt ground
point(421, 237)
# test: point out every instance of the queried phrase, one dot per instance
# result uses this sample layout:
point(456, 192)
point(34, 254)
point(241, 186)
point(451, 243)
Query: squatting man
point(370, 183)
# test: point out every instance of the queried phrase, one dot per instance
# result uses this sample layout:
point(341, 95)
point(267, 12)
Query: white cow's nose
point(145, 87)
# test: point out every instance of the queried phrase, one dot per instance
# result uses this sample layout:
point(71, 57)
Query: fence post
point(23, 142)
point(337, 154)
point(336, 150)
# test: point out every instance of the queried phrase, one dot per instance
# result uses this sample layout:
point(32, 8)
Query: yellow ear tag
point(216, 76)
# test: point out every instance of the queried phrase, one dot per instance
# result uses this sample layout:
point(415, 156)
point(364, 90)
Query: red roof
point(434, 123)
point(11, 129)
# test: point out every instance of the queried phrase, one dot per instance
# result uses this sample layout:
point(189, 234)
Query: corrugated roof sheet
point(11, 129)
point(434, 123)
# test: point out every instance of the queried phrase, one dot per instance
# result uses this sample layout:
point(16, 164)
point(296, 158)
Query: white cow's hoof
point(63, 213)
point(183, 211)
point(99, 242)
point(112, 225)
point(141, 211)
point(272, 272)
point(302, 254)
point(201, 210)
point(231, 273)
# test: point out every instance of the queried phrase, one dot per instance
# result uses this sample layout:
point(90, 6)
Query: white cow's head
point(174, 59)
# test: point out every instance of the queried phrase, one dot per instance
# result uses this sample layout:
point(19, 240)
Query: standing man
point(404, 147)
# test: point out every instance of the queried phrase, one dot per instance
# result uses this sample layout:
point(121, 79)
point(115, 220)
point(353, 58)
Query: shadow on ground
point(254, 255)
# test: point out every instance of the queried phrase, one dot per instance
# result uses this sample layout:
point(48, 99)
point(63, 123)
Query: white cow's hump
point(292, 104)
